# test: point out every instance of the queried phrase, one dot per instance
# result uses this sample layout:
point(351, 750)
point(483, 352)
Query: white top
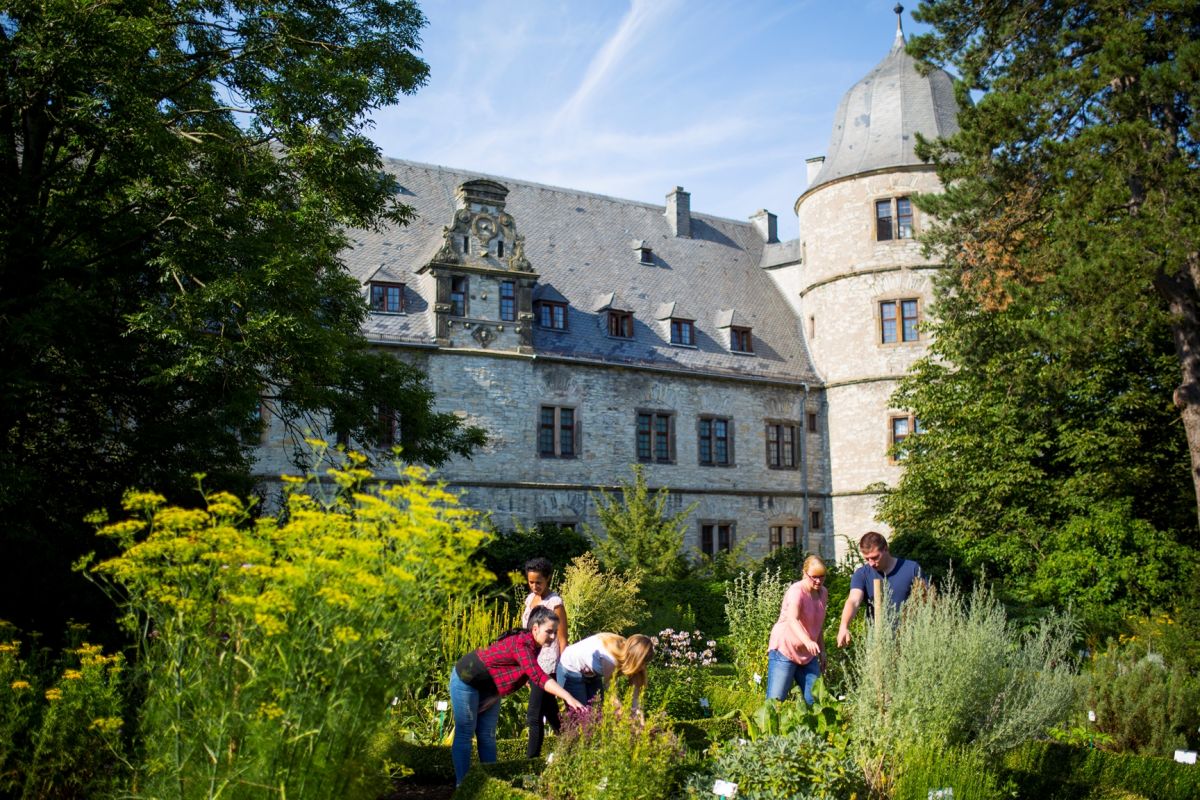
point(588, 657)
point(548, 657)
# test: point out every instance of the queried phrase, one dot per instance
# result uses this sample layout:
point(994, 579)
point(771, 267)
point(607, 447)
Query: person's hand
point(843, 636)
point(573, 703)
point(813, 648)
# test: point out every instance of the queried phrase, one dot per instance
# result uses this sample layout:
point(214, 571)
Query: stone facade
point(586, 333)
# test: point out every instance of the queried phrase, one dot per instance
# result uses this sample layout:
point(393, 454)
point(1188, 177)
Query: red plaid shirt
point(513, 660)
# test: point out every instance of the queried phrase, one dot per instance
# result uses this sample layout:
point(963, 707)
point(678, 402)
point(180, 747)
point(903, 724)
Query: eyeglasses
point(812, 577)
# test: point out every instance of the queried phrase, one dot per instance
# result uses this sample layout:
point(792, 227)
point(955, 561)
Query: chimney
point(767, 226)
point(814, 166)
point(679, 212)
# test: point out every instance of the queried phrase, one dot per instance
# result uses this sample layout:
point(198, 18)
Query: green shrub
point(504, 780)
point(752, 603)
point(599, 601)
point(677, 678)
point(798, 766)
point(684, 604)
point(268, 648)
point(1057, 772)
point(1145, 705)
point(431, 763)
point(953, 672)
point(610, 752)
point(964, 772)
point(725, 700)
point(638, 532)
point(508, 551)
point(698, 734)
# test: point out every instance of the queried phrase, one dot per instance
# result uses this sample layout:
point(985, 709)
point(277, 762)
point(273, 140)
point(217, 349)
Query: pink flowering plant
point(677, 678)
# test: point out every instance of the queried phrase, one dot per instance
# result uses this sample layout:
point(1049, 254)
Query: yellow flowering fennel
point(275, 642)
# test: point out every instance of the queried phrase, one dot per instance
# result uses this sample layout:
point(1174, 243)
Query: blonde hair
point(630, 654)
point(813, 561)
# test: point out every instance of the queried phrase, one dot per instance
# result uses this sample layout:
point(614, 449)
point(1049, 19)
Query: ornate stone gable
point(484, 280)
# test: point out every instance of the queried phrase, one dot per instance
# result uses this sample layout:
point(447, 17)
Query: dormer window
point(683, 331)
point(740, 340)
point(387, 297)
point(458, 295)
point(552, 315)
point(893, 219)
point(645, 255)
point(620, 324)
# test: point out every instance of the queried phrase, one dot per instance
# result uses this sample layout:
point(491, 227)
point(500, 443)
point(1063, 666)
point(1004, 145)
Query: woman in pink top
point(796, 650)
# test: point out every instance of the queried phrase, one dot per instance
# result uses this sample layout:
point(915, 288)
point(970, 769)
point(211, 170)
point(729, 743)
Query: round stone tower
point(864, 286)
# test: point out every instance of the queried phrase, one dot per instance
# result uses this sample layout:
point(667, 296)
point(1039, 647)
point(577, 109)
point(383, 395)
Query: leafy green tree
point(1074, 184)
point(175, 181)
point(638, 531)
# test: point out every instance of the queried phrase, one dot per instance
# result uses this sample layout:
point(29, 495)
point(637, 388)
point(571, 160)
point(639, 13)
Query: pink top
point(548, 657)
point(799, 603)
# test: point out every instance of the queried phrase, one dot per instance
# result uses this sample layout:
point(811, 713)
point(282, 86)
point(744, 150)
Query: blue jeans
point(782, 673)
point(582, 687)
point(470, 722)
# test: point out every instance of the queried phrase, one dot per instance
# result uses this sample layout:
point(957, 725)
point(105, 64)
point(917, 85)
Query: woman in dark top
point(482, 677)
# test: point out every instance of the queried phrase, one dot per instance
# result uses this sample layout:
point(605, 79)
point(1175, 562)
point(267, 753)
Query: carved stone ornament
point(518, 262)
point(447, 254)
point(484, 227)
point(483, 335)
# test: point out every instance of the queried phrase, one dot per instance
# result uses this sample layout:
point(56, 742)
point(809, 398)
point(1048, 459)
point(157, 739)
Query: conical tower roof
point(878, 118)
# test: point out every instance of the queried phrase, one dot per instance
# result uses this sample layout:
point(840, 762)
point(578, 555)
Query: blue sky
point(630, 98)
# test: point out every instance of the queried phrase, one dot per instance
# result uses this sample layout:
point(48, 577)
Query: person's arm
point(553, 687)
point(561, 611)
point(853, 601)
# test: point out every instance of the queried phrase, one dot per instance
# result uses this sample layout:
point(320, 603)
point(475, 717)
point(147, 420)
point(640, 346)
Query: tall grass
point(752, 602)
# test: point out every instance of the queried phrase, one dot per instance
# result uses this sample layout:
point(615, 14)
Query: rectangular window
point(716, 537)
point(508, 301)
point(552, 315)
point(812, 422)
point(458, 296)
point(781, 445)
point(388, 422)
point(782, 536)
point(682, 332)
point(387, 297)
point(556, 432)
point(814, 520)
point(500, 249)
point(654, 439)
point(898, 320)
point(715, 441)
point(740, 340)
point(893, 219)
point(466, 243)
point(620, 324)
point(901, 429)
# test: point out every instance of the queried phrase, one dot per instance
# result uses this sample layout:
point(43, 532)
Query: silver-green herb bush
point(799, 765)
point(752, 602)
point(609, 751)
point(1142, 703)
point(952, 671)
point(269, 648)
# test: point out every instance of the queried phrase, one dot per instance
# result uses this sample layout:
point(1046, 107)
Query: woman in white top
point(543, 706)
point(585, 668)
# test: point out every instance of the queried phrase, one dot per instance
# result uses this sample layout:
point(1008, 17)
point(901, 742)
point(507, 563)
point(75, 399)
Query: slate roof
point(877, 120)
point(579, 244)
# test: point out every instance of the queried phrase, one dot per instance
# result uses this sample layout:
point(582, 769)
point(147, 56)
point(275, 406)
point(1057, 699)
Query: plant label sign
point(442, 705)
point(757, 678)
point(725, 789)
point(1185, 756)
point(942, 794)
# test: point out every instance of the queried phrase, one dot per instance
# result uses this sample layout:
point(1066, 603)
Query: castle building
point(749, 376)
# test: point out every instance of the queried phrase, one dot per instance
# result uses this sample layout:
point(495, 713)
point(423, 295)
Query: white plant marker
point(757, 678)
point(704, 702)
point(942, 794)
point(1091, 716)
point(1185, 756)
point(725, 789)
point(442, 705)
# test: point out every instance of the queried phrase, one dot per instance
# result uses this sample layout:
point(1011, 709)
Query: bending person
point(586, 667)
point(796, 651)
point(482, 677)
point(542, 706)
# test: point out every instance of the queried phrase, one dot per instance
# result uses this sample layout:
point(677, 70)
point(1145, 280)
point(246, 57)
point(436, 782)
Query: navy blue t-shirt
point(905, 572)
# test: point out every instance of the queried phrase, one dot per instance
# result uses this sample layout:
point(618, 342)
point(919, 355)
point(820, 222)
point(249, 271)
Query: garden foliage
point(608, 751)
point(268, 649)
point(598, 600)
point(752, 603)
point(639, 532)
point(677, 677)
point(1144, 704)
point(952, 671)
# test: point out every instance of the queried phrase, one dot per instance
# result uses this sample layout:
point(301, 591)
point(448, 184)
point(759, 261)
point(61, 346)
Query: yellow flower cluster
point(106, 724)
point(19, 685)
point(54, 694)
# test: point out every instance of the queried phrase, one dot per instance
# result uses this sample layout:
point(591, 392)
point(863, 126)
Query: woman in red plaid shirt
point(482, 677)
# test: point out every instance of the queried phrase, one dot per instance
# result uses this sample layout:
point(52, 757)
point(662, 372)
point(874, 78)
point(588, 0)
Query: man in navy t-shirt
point(902, 575)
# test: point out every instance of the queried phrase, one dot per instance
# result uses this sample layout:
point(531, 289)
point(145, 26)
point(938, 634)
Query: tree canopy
point(176, 178)
point(1057, 457)
point(1074, 184)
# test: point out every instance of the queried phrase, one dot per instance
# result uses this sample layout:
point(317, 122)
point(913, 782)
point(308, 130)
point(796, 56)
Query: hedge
point(1057, 772)
point(431, 763)
point(698, 734)
point(495, 781)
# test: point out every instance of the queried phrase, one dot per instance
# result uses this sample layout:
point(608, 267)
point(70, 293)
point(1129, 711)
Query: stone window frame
point(557, 428)
point(895, 231)
point(654, 434)
point(776, 530)
point(711, 436)
point(383, 297)
point(551, 305)
point(901, 330)
point(460, 308)
point(682, 332)
point(815, 521)
point(813, 423)
point(776, 448)
point(711, 528)
point(388, 421)
point(913, 427)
